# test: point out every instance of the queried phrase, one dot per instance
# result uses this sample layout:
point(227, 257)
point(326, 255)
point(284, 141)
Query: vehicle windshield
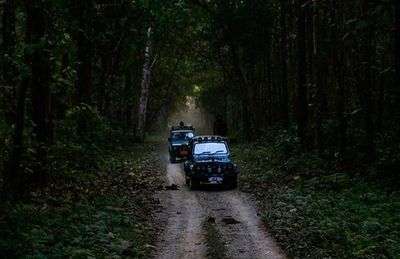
point(210, 148)
point(181, 135)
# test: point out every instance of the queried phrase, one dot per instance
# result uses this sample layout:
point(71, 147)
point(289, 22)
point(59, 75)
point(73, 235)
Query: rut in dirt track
point(185, 212)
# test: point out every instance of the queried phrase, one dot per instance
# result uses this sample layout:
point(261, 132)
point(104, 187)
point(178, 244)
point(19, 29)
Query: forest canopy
point(79, 74)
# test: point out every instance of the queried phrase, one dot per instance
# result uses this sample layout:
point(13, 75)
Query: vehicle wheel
point(233, 184)
point(172, 158)
point(193, 184)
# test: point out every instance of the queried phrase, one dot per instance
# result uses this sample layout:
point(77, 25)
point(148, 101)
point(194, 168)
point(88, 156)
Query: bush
point(73, 149)
point(316, 209)
point(95, 131)
point(388, 162)
point(103, 212)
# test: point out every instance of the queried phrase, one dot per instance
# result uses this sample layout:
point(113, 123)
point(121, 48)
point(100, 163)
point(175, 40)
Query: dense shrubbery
point(100, 210)
point(388, 163)
point(314, 208)
point(97, 199)
point(71, 149)
point(79, 149)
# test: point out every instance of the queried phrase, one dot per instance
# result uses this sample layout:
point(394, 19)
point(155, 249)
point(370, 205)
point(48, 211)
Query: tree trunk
point(243, 92)
point(318, 80)
point(381, 97)
point(84, 55)
point(84, 52)
point(36, 15)
point(340, 96)
point(101, 94)
point(8, 69)
point(284, 73)
point(292, 66)
point(12, 168)
point(366, 86)
point(269, 110)
point(128, 102)
point(302, 102)
point(144, 91)
point(397, 58)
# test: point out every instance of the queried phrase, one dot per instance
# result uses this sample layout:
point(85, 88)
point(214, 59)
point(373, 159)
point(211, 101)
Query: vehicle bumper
point(180, 153)
point(226, 179)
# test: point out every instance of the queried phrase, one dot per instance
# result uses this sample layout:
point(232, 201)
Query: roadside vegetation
point(315, 209)
point(98, 203)
point(80, 80)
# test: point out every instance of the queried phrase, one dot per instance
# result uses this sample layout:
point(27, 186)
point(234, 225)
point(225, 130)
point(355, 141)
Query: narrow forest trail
point(185, 211)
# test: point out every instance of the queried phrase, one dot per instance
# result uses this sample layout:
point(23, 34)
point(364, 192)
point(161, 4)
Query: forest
point(310, 88)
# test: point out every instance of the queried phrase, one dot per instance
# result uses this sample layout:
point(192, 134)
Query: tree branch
point(203, 5)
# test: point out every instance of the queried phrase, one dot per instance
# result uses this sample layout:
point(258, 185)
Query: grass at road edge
point(314, 210)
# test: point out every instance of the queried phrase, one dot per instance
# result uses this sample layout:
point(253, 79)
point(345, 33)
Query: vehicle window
point(210, 148)
point(181, 135)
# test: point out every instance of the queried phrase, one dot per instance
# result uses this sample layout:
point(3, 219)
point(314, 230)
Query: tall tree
point(319, 87)
point(302, 100)
point(8, 68)
point(144, 89)
point(12, 166)
point(340, 97)
point(284, 73)
point(397, 55)
point(41, 75)
point(85, 47)
point(243, 92)
point(366, 82)
point(84, 43)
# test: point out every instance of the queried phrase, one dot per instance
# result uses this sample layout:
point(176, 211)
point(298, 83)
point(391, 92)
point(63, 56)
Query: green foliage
point(314, 209)
point(212, 92)
point(95, 130)
point(283, 141)
point(5, 132)
point(76, 149)
point(388, 163)
point(93, 213)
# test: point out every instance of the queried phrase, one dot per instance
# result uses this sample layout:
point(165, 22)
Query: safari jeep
point(209, 163)
point(179, 142)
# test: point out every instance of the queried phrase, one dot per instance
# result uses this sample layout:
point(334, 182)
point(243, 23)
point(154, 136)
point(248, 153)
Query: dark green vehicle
point(179, 142)
point(209, 163)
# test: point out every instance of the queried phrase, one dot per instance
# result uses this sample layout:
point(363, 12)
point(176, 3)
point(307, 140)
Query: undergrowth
point(316, 210)
point(97, 211)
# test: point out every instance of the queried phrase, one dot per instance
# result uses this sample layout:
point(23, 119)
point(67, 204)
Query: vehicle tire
point(233, 184)
point(172, 158)
point(193, 184)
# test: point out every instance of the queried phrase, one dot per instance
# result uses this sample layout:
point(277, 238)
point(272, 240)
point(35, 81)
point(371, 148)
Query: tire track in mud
point(185, 212)
point(239, 225)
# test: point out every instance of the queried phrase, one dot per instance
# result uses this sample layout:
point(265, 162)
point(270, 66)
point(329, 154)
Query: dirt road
point(184, 213)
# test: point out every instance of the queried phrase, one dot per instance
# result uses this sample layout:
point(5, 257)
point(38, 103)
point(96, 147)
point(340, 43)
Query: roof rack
point(210, 138)
point(182, 128)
